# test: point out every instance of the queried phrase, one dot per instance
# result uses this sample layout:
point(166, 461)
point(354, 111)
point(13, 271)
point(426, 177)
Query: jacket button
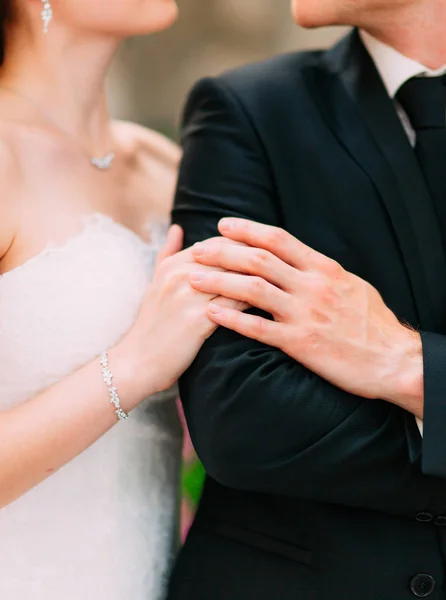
point(424, 517)
point(440, 520)
point(422, 585)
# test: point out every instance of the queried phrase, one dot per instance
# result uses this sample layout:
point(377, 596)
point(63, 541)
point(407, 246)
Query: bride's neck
point(65, 78)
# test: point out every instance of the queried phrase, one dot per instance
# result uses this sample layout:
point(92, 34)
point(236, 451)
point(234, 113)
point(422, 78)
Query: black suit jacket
point(313, 492)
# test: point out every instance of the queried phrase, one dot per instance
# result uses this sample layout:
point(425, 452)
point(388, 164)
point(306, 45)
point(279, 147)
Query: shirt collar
point(395, 68)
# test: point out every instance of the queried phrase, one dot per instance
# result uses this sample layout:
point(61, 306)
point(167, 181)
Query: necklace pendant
point(103, 163)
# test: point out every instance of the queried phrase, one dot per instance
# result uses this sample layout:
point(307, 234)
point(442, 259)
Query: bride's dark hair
point(5, 16)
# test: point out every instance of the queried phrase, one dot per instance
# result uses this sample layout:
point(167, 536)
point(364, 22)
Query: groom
point(320, 483)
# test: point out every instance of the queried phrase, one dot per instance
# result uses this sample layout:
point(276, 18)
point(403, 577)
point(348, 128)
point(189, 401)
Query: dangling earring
point(46, 14)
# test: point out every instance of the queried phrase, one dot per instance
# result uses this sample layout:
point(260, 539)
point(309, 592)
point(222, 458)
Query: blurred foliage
point(193, 479)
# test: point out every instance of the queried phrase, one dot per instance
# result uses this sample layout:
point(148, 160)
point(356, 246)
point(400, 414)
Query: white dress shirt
point(395, 69)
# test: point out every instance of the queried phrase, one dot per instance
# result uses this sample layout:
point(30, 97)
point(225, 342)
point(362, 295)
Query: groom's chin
point(311, 14)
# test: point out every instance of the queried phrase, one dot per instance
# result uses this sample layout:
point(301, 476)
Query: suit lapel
point(364, 119)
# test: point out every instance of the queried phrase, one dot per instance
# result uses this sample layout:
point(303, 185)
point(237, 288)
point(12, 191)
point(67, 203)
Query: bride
point(88, 496)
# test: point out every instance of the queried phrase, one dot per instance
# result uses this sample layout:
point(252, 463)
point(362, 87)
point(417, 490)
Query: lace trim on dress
point(100, 223)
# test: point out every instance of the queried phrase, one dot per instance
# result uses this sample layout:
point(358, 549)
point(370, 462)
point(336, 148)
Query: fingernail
point(198, 276)
point(199, 249)
point(215, 309)
point(227, 223)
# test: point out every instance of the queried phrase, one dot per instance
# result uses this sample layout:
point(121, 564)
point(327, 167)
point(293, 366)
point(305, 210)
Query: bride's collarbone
point(58, 186)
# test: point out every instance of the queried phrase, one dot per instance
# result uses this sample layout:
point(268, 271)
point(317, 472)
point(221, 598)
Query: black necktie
point(424, 100)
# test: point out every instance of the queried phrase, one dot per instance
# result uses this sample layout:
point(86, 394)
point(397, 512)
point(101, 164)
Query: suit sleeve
point(434, 431)
point(259, 420)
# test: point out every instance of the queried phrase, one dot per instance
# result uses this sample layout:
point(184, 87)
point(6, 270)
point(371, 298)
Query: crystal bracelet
point(108, 378)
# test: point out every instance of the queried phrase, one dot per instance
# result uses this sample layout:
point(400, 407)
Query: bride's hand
point(172, 323)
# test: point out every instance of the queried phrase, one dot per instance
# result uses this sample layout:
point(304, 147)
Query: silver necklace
point(102, 163)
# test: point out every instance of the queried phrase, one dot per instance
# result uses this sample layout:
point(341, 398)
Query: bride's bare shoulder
point(142, 142)
point(10, 186)
point(153, 160)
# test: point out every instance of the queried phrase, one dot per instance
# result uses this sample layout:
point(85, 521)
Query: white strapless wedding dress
point(104, 526)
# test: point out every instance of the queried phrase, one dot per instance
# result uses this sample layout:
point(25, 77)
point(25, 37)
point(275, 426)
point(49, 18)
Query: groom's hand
point(327, 319)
